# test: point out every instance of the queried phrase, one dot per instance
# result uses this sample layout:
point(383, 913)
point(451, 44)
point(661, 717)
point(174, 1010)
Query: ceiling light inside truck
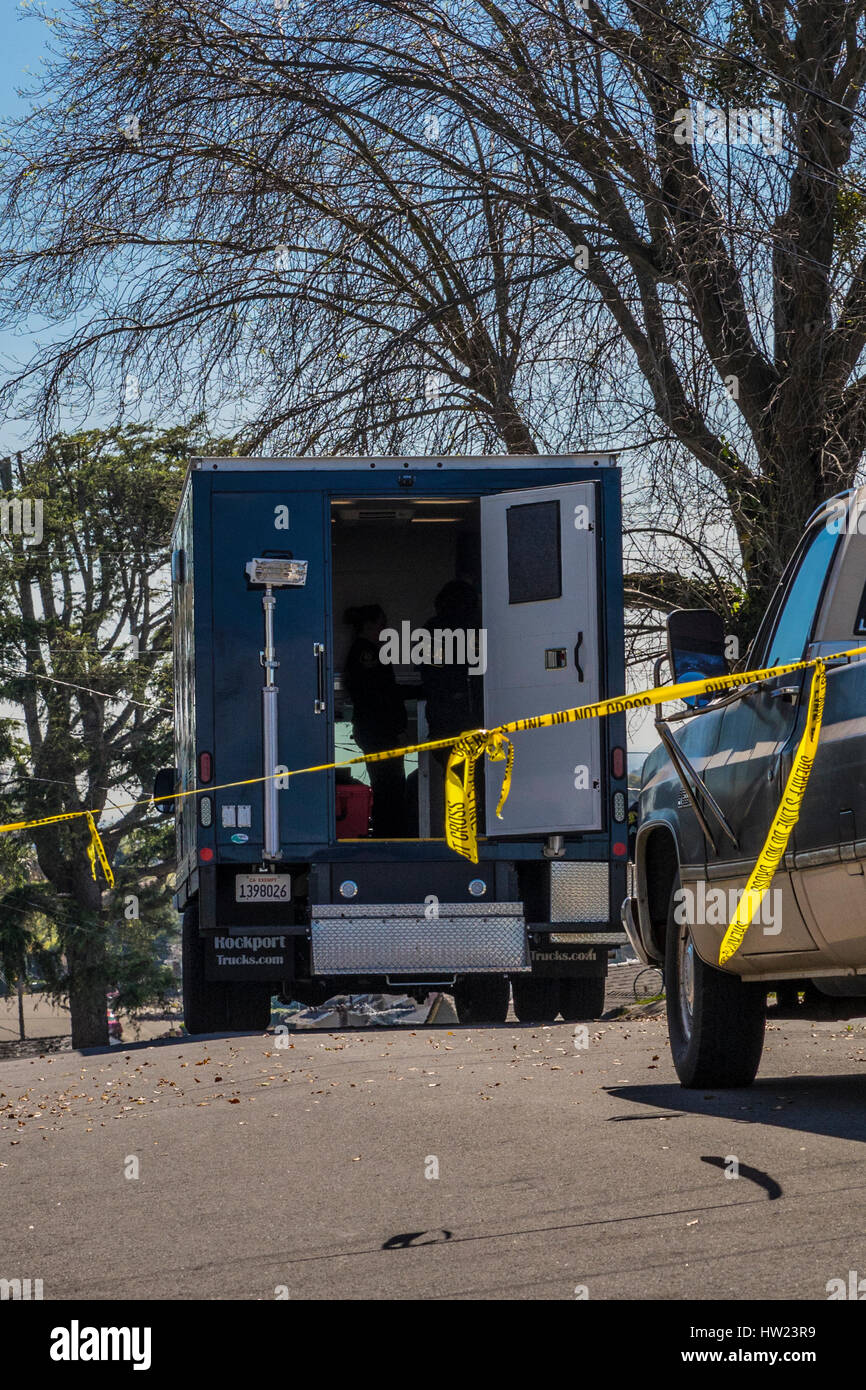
point(380, 514)
point(277, 572)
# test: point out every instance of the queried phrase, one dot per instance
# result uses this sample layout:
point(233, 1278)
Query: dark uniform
point(455, 703)
point(454, 698)
point(378, 723)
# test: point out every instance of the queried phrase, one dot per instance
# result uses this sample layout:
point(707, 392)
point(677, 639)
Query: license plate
point(263, 888)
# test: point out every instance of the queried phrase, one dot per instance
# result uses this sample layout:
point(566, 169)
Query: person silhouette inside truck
point(378, 718)
point(454, 696)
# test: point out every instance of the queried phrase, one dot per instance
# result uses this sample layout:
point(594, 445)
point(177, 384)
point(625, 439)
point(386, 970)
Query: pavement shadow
point(185, 1040)
point(831, 1105)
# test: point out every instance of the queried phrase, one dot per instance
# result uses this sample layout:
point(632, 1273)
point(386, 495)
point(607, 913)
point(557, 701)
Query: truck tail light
point(617, 762)
point(205, 809)
point(619, 806)
point(205, 767)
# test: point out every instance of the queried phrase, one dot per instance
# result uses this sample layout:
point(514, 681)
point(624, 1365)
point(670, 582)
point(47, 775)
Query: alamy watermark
point(438, 646)
point(20, 1290)
point(853, 1288)
point(713, 907)
point(717, 125)
point(846, 518)
point(77, 1343)
point(21, 516)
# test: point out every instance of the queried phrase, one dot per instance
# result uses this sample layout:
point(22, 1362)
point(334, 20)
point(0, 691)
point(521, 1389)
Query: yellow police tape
point(783, 822)
point(95, 847)
point(461, 831)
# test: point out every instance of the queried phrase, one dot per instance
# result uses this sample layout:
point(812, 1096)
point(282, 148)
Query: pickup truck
point(709, 792)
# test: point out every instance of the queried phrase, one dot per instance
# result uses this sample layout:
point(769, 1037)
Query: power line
point(52, 781)
point(103, 695)
point(83, 651)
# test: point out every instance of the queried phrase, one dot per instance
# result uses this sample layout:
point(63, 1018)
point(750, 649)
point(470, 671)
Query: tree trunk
point(770, 519)
point(87, 962)
point(21, 1033)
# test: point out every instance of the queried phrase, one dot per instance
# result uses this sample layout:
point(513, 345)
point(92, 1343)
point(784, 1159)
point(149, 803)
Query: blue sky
point(22, 43)
point(23, 38)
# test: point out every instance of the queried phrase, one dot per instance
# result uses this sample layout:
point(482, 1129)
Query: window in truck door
point(797, 616)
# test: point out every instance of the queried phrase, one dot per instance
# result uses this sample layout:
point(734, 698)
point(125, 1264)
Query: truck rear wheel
point(715, 1021)
point(535, 1001)
point(204, 1001)
point(248, 1007)
point(482, 999)
point(582, 998)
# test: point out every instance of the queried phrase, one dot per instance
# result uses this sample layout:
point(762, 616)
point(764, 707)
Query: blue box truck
point(333, 607)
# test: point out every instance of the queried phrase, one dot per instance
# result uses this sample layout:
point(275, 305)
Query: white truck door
point(540, 606)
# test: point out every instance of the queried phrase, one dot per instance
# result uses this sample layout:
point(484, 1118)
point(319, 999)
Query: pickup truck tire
point(482, 1000)
point(715, 1021)
point(204, 1001)
point(248, 1007)
point(582, 998)
point(535, 1001)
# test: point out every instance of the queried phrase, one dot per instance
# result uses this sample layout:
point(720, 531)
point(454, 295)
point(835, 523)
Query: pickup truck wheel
point(248, 1007)
point(535, 1001)
point(483, 999)
point(582, 998)
point(204, 1001)
point(715, 1021)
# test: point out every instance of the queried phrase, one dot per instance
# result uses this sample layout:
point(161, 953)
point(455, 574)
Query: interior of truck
point(408, 654)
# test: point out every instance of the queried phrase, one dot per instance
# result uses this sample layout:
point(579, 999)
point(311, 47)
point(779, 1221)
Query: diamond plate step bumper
point(399, 938)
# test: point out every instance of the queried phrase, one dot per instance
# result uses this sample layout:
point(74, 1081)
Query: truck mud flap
point(400, 938)
point(248, 956)
point(559, 961)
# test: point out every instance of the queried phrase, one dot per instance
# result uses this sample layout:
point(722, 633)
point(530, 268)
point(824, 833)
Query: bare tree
point(533, 225)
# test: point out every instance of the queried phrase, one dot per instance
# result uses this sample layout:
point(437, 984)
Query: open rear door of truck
point(243, 529)
point(540, 558)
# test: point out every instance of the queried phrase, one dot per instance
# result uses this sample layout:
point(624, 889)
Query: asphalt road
point(308, 1170)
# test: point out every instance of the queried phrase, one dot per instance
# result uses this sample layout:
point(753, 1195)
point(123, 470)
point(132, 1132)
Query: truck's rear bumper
point(401, 938)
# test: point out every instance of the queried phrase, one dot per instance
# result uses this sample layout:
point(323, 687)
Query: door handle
point(785, 692)
point(320, 704)
point(577, 646)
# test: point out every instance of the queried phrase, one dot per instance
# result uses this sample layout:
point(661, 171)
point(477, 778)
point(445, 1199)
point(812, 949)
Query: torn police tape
point(95, 847)
point(461, 831)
